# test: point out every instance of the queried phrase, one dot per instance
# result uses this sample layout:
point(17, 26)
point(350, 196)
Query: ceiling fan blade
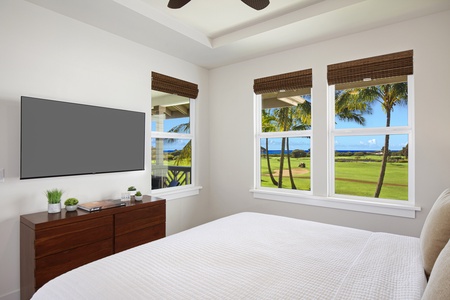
point(177, 3)
point(257, 4)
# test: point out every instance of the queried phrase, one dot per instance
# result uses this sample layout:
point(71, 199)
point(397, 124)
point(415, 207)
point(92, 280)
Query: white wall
point(231, 108)
point(43, 54)
point(46, 55)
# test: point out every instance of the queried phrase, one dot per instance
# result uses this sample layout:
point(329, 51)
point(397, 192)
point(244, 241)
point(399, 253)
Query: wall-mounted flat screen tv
point(61, 139)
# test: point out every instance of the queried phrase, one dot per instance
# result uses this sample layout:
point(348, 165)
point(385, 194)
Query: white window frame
point(399, 208)
point(406, 130)
point(185, 190)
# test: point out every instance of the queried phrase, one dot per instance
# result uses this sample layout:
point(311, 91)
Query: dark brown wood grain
point(61, 238)
point(53, 265)
point(139, 237)
point(127, 222)
point(52, 244)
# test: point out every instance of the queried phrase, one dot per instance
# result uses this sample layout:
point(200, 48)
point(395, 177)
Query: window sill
point(176, 192)
point(398, 210)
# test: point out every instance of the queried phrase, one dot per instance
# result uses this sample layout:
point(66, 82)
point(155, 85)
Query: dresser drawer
point(139, 237)
point(139, 219)
point(61, 238)
point(54, 265)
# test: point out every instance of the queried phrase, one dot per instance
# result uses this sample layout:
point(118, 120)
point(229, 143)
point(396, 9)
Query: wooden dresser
point(52, 244)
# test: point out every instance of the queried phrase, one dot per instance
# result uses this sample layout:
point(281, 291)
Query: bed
point(255, 256)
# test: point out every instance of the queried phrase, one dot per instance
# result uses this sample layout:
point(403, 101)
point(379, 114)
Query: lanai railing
point(176, 176)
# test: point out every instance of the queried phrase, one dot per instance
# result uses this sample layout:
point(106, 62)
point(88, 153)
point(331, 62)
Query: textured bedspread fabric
point(254, 256)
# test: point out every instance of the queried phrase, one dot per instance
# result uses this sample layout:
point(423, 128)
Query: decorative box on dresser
point(52, 244)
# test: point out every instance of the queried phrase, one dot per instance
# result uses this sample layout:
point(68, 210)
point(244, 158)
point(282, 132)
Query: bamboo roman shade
point(383, 66)
point(170, 85)
point(288, 81)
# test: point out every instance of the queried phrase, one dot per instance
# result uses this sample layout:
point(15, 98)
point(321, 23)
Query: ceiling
point(214, 33)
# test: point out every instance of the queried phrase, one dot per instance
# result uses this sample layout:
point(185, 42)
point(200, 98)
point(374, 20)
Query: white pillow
point(436, 231)
point(438, 287)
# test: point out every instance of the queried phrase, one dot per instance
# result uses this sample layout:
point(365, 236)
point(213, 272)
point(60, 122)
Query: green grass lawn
point(357, 176)
point(301, 175)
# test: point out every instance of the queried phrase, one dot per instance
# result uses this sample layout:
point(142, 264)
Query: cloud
point(372, 142)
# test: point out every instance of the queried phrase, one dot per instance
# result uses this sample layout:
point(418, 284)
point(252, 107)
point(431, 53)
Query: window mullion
point(411, 141)
point(280, 134)
point(171, 135)
point(371, 131)
point(257, 150)
point(331, 135)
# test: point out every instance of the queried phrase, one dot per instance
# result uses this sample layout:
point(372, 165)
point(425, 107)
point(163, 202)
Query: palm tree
point(360, 99)
point(291, 177)
point(185, 153)
point(284, 124)
point(299, 119)
point(268, 126)
point(291, 118)
point(404, 151)
point(349, 107)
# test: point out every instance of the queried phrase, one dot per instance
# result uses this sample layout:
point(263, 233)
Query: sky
point(399, 117)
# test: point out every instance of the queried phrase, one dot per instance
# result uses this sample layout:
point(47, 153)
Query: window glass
point(369, 160)
point(171, 162)
point(286, 112)
point(294, 164)
point(368, 107)
point(170, 113)
point(358, 164)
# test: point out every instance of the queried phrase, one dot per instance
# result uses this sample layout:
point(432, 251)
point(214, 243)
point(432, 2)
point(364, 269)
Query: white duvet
point(254, 256)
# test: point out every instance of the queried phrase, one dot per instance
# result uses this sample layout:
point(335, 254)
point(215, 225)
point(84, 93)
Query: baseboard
point(15, 295)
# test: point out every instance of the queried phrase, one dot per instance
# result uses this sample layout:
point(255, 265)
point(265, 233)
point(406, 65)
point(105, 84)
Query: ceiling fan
point(255, 4)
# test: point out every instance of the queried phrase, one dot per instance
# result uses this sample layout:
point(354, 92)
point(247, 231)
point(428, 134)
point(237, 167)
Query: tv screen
point(62, 139)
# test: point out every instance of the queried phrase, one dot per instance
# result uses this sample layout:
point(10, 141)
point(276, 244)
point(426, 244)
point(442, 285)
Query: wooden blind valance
point(383, 66)
point(288, 81)
point(170, 85)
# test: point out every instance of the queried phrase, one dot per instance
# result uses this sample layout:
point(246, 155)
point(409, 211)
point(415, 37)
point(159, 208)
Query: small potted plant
point(71, 204)
point(54, 200)
point(132, 190)
point(138, 196)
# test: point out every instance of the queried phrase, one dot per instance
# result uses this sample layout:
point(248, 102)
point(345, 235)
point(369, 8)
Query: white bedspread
point(254, 256)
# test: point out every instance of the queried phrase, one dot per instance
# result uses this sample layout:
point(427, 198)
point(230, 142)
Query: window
point(172, 132)
point(284, 131)
point(370, 134)
point(365, 149)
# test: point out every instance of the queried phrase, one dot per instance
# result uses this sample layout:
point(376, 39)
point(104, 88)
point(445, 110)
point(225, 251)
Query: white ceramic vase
point(71, 207)
point(54, 208)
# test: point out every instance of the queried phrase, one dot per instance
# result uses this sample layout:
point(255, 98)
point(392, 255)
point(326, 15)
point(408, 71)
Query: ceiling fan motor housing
point(255, 4)
point(177, 3)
